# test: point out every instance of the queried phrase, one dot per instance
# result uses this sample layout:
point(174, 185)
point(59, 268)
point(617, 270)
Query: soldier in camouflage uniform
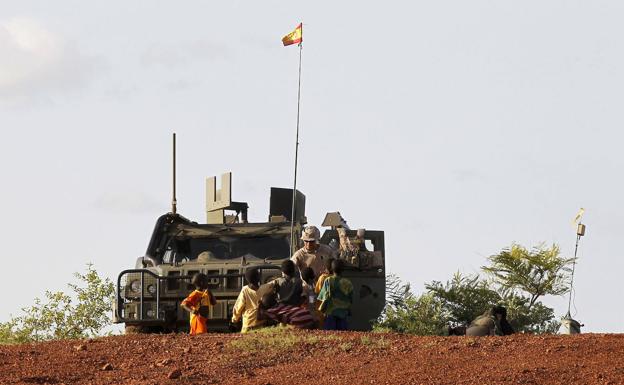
point(492, 322)
point(313, 254)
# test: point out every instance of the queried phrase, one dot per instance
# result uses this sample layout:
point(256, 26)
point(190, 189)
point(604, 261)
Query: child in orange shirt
point(198, 303)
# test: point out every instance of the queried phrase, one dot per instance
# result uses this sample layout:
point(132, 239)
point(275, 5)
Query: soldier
point(490, 323)
point(312, 254)
point(205, 257)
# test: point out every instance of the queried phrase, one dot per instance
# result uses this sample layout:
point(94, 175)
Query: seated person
point(296, 316)
point(289, 287)
point(506, 328)
point(490, 323)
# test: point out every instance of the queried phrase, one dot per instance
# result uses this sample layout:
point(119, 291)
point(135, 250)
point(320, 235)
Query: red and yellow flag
point(294, 37)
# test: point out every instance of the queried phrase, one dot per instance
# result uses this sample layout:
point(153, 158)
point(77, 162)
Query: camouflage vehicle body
point(148, 297)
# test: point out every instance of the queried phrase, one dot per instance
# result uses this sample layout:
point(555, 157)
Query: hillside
point(294, 357)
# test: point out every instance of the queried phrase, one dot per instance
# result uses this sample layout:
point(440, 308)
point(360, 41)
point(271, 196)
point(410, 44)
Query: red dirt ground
point(298, 357)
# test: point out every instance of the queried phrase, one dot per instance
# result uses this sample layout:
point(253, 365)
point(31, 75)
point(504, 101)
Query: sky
point(456, 127)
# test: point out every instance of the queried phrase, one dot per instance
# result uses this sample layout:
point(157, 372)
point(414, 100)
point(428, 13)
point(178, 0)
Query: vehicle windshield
point(264, 247)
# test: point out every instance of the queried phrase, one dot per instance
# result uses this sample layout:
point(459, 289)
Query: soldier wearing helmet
point(492, 322)
point(313, 254)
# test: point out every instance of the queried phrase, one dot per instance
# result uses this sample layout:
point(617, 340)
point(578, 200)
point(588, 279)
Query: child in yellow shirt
point(246, 306)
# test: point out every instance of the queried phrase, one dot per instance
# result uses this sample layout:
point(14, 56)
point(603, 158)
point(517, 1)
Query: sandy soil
point(297, 357)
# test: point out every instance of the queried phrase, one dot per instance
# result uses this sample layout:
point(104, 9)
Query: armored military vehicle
point(148, 297)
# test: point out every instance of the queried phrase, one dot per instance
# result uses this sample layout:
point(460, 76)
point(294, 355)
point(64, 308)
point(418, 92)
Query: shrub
point(519, 278)
point(423, 315)
point(61, 316)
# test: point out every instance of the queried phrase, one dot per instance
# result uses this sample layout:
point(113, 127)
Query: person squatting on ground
point(336, 297)
point(246, 306)
point(198, 304)
point(313, 254)
point(492, 322)
point(282, 313)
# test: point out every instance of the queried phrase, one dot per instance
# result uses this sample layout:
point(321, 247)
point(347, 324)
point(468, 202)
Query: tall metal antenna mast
point(174, 201)
point(293, 240)
point(580, 231)
point(568, 324)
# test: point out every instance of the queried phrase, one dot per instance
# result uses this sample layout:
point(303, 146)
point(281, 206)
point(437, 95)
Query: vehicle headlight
point(151, 289)
point(150, 313)
point(135, 286)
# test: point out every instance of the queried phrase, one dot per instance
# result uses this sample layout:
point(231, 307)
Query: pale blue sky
point(457, 127)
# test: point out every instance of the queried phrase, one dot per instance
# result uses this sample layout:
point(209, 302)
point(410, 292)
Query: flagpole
point(293, 241)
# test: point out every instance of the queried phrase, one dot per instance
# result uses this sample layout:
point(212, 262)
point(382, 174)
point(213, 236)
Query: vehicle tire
point(136, 329)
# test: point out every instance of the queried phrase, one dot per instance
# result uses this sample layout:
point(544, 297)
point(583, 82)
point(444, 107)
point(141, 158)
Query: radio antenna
point(174, 202)
point(568, 324)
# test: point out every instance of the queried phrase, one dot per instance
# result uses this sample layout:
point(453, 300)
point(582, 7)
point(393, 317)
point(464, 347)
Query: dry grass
point(277, 338)
point(374, 341)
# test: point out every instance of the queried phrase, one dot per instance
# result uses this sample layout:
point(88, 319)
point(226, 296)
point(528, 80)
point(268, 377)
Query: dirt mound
point(293, 357)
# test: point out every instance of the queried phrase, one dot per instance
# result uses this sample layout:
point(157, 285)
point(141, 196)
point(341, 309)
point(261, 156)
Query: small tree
point(63, 316)
point(423, 315)
point(541, 271)
point(92, 312)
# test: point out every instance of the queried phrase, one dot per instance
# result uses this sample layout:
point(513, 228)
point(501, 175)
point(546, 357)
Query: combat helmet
point(311, 233)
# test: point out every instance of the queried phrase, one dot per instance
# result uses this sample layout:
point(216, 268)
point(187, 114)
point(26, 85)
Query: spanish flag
point(294, 37)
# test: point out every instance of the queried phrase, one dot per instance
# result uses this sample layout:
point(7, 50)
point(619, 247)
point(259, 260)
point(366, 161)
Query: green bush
point(464, 297)
point(81, 315)
point(422, 315)
point(519, 278)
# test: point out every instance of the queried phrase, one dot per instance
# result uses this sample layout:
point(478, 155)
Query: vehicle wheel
point(136, 329)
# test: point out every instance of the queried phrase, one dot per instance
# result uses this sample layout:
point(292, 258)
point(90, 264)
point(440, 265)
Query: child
point(198, 302)
point(328, 271)
point(337, 297)
point(246, 305)
point(317, 289)
point(308, 293)
point(289, 286)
